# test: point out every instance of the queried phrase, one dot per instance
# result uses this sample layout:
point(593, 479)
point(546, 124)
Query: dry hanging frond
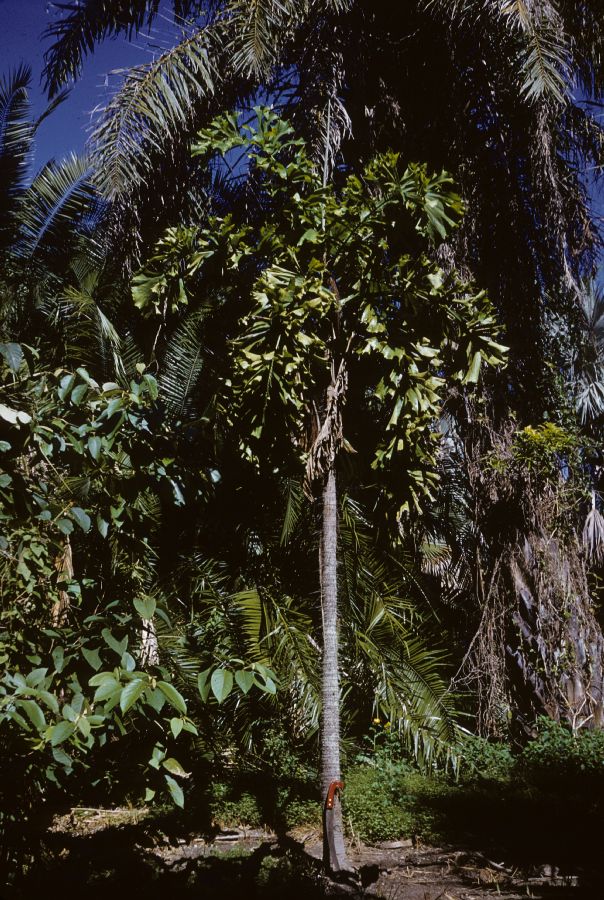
point(330, 438)
point(64, 567)
point(593, 534)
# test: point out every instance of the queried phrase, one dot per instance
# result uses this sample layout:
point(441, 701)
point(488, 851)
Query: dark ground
point(114, 855)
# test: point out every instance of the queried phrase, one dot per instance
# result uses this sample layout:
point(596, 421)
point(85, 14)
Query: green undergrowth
point(238, 805)
point(542, 801)
point(501, 799)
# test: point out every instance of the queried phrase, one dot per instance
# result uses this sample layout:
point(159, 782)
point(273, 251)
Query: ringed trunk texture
point(334, 850)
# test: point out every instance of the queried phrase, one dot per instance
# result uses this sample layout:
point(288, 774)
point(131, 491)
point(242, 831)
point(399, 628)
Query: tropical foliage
point(298, 431)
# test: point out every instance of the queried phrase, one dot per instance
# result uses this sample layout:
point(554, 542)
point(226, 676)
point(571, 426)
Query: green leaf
point(203, 683)
point(176, 791)
point(94, 446)
point(34, 713)
point(149, 794)
point(107, 690)
point(81, 517)
point(190, 727)
point(145, 607)
point(222, 682)
point(36, 677)
point(156, 700)
point(156, 757)
point(65, 526)
point(62, 758)
point(128, 662)
point(77, 395)
point(60, 732)
point(69, 713)
point(244, 679)
point(84, 727)
point(118, 646)
point(65, 385)
point(96, 680)
point(58, 657)
point(172, 696)
point(269, 686)
point(174, 767)
point(50, 700)
point(23, 570)
point(14, 416)
point(311, 235)
point(152, 386)
point(474, 370)
point(131, 693)
point(176, 726)
point(13, 355)
point(102, 526)
point(92, 658)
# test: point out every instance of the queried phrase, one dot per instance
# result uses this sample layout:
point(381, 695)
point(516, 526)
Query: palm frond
point(15, 126)
point(536, 28)
point(56, 201)
point(130, 355)
point(182, 366)
point(294, 504)
point(256, 28)
point(587, 371)
point(383, 654)
point(16, 134)
point(590, 395)
point(543, 55)
point(84, 24)
point(435, 556)
point(405, 674)
point(91, 337)
point(155, 103)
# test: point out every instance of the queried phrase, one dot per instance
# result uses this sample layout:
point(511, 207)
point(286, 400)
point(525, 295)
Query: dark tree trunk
point(554, 643)
point(334, 851)
point(539, 647)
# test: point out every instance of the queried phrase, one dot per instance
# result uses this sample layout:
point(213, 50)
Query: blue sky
point(22, 23)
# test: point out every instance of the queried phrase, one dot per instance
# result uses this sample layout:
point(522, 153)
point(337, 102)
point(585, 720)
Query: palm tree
point(294, 342)
point(491, 89)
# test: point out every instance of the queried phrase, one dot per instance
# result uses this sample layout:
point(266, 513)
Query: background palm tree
point(45, 217)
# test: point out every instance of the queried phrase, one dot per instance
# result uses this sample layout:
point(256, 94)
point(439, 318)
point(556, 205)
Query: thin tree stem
point(334, 851)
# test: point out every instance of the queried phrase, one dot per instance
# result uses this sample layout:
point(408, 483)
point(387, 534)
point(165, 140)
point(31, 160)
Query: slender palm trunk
point(334, 851)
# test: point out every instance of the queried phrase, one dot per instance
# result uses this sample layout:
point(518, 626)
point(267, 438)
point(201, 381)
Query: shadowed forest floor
point(115, 853)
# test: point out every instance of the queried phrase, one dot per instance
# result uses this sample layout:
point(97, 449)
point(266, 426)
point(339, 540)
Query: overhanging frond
point(155, 102)
point(84, 24)
point(58, 198)
point(256, 29)
point(536, 29)
point(16, 133)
